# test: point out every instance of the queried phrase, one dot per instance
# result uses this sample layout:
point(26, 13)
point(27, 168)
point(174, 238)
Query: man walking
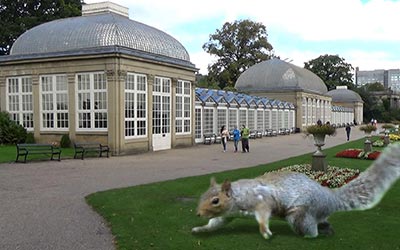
point(245, 132)
point(348, 129)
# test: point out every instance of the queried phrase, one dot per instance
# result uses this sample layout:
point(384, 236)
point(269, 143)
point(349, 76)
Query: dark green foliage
point(19, 16)
point(236, 46)
point(374, 108)
point(377, 86)
point(30, 138)
point(65, 141)
point(10, 131)
point(333, 70)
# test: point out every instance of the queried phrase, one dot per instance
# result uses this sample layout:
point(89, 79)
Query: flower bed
point(394, 137)
point(333, 178)
point(378, 143)
point(358, 154)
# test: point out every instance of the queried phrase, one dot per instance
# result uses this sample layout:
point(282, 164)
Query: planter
point(367, 142)
point(319, 161)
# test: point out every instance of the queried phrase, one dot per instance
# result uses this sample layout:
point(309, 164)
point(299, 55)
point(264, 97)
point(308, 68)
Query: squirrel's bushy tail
point(367, 190)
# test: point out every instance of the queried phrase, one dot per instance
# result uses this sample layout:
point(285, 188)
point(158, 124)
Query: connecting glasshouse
point(263, 116)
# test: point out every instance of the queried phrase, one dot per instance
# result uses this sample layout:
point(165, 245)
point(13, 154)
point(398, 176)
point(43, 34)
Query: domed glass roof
point(344, 95)
point(277, 75)
point(93, 31)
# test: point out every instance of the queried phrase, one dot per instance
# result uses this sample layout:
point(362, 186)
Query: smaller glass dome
point(277, 75)
point(344, 95)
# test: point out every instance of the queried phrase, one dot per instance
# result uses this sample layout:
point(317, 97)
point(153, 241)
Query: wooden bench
point(24, 150)
point(82, 148)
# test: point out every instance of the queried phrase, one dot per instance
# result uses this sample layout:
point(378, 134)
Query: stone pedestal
point(368, 143)
point(386, 139)
point(318, 158)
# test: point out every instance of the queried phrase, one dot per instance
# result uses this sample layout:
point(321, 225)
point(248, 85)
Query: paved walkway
point(42, 204)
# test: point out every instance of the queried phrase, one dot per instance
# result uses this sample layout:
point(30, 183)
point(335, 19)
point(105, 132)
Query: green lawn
point(161, 215)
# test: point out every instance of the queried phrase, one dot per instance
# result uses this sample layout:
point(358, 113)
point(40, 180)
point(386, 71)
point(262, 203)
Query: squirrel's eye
point(215, 201)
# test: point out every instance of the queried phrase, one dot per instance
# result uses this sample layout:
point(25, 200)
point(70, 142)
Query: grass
point(161, 215)
point(8, 153)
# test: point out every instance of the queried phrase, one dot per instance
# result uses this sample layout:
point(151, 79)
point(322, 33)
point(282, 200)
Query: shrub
point(325, 129)
point(387, 126)
point(30, 138)
point(65, 141)
point(10, 131)
point(368, 128)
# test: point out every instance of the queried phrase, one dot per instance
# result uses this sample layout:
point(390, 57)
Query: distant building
point(284, 81)
point(390, 79)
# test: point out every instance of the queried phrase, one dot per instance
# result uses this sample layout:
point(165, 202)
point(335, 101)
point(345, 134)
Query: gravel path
point(42, 204)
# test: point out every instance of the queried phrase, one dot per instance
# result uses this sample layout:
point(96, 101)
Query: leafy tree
point(377, 86)
point(17, 16)
point(236, 47)
point(203, 81)
point(333, 70)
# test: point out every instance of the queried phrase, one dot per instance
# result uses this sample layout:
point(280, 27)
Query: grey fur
point(304, 203)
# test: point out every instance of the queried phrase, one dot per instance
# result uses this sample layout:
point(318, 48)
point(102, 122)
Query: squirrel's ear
point(226, 188)
point(213, 182)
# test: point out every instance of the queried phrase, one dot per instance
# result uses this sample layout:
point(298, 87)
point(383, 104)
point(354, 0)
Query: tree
point(376, 86)
point(236, 46)
point(333, 70)
point(18, 16)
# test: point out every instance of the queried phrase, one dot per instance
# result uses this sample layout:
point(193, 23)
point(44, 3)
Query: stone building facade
point(101, 77)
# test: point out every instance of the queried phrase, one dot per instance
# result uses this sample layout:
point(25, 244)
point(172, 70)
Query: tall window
point(91, 99)
point(233, 122)
point(208, 121)
point(197, 120)
point(243, 117)
point(221, 118)
point(274, 119)
point(20, 100)
point(267, 117)
point(250, 119)
point(183, 107)
point(135, 106)
point(54, 102)
point(260, 119)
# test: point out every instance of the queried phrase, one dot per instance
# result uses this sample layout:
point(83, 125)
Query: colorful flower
point(334, 177)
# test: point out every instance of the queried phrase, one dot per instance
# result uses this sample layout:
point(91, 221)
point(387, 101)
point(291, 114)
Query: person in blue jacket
point(236, 138)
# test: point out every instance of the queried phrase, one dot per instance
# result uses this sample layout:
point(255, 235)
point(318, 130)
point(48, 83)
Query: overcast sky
point(365, 33)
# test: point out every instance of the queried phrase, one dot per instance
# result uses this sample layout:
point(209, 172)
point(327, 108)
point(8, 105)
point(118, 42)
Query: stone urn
point(318, 158)
point(386, 138)
point(367, 142)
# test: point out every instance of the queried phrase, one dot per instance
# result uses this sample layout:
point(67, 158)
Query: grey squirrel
point(304, 203)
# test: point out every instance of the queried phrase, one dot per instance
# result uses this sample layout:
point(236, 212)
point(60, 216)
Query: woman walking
point(224, 136)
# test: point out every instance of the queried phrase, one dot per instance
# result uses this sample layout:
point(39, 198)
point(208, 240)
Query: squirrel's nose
point(198, 214)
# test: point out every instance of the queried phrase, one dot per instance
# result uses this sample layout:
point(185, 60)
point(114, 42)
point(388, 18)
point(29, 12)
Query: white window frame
point(57, 96)
point(139, 92)
point(183, 107)
point(19, 101)
point(98, 108)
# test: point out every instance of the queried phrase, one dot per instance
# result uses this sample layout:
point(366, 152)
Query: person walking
point(236, 138)
point(245, 132)
point(348, 129)
point(224, 136)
